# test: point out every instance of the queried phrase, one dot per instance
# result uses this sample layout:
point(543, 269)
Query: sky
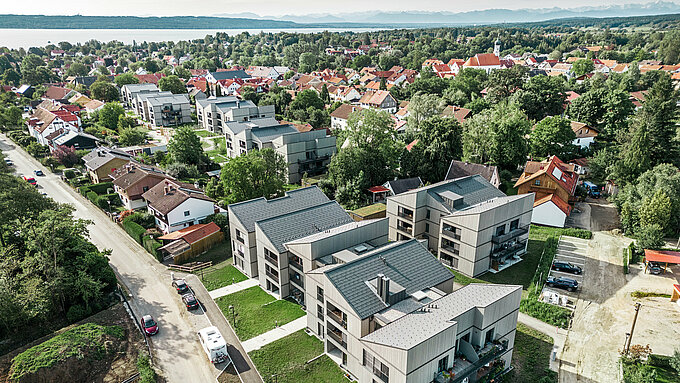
point(271, 7)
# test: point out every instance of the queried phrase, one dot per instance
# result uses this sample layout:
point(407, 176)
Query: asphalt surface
point(177, 351)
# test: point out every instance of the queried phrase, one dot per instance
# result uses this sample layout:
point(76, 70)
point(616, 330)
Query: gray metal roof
point(168, 99)
point(418, 326)
point(407, 263)
point(473, 189)
point(258, 209)
point(405, 184)
point(138, 87)
point(288, 227)
point(270, 133)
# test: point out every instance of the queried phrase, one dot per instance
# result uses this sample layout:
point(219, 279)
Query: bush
point(151, 245)
point(135, 230)
point(659, 360)
point(69, 174)
point(92, 196)
point(101, 188)
point(76, 313)
point(635, 254)
point(143, 219)
point(146, 373)
point(578, 233)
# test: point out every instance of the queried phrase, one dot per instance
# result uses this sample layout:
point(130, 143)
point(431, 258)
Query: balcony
point(466, 368)
point(450, 249)
point(509, 250)
point(296, 265)
point(273, 276)
point(271, 259)
point(450, 232)
point(314, 158)
point(404, 228)
point(336, 335)
point(297, 280)
point(512, 234)
point(336, 315)
point(406, 214)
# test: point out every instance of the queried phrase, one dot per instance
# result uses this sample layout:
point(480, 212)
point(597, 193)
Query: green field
point(287, 358)
point(257, 312)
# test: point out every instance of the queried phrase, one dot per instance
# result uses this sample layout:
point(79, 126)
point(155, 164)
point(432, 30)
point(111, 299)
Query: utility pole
point(632, 328)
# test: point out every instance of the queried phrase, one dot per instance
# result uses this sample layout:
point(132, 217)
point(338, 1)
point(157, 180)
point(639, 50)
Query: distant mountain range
point(489, 16)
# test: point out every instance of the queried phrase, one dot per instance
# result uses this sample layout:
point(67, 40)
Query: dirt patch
point(603, 215)
point(229, 375)
point(115, 367)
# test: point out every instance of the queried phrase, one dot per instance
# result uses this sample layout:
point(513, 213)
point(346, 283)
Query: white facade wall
point(548, 214)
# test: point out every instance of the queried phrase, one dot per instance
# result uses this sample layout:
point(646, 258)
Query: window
point(145, 188)
point(319, 329)
point(319, 294)
point(514, 225)
point(500, 230)
point(187, 213)
point(537, 183)
point(489, 337)
point(427, 213)
point(319, 312)
point(443, 364)
point(427, 227)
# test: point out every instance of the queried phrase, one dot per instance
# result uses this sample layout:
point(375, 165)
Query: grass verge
point(257, 312)
point(531, 357)
point(223, 276)
point(648, 294)
point(287, 359)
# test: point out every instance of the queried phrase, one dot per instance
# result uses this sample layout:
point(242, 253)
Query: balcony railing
point(451, 249)
point(273, 276)
point(448, 232)
point(314, 158)
point(337, 317)
point(485, 357)
point(295, 264)
point(405, 229)
point(509, 250)
point(337, 336)
point(512, 234)
point(299, 282)
point(271, 260)
point(403, 214)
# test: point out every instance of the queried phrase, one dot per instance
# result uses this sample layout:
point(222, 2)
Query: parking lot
point(571, 250)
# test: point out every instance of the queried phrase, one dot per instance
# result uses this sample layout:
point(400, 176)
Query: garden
point(257, 312)
point(531, 357)
point(292, 360)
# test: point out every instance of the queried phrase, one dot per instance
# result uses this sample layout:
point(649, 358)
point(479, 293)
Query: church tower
point(497, 47)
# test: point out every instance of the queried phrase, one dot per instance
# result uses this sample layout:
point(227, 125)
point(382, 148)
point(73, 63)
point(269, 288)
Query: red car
point(31, 181)
point(149, 325)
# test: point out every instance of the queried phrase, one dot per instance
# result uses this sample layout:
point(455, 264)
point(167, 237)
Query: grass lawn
point(287, 358)
point(204, 133)
point(224, 276)
point(664, 373)
point(257, 311)
point(220, 255)
point(531, 357)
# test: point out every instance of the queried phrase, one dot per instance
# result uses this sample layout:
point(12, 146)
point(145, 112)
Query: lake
point(25, 38)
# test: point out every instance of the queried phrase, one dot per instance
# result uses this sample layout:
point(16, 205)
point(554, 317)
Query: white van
point(214, 345)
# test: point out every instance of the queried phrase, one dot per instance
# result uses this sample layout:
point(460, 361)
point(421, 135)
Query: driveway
point(178, 354)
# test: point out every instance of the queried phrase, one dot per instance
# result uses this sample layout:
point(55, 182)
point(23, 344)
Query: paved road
point(177, 350)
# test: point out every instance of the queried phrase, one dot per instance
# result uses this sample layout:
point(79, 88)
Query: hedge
point(92, 196)
point(625, 261)
point(135, 230)
point(99, 189)
point(151, 245)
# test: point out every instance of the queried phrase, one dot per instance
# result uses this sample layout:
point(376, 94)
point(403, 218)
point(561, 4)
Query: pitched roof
point(258, 209)
point(344, 110)
point(177, 193)
point(94, 105)
point(483, 59)
point(405, 184)
point(458, 169)
point(455, 111)
point(193, 233)
point(57, 92)
point(417, 326)
point(554, 198)
point(134, 172)
point(583, 130)
point(374, 97)
point(316, 219)
point(562, 173)
point(408, 264)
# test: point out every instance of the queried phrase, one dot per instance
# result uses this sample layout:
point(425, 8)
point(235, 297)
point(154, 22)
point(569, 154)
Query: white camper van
point(213, 344)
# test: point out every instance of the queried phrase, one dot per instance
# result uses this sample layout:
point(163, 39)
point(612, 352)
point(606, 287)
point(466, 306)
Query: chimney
point(166, 189)
point(385, 296)
point(379, 285)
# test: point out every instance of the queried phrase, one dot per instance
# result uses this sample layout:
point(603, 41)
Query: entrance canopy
point(662, 256)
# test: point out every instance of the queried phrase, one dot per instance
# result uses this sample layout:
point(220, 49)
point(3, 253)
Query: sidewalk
point(222, 291)
point(275, 334)
point(559, 336)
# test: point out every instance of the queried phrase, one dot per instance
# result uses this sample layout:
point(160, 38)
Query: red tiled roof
point(662, 256)
point(483, 59)
point(561, 204)
point(193, 233)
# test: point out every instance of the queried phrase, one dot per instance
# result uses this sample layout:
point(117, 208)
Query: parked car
point(654, 268)
point(181, 286)
point(38, 173)
point(213, 344)
point(562, 283)
point(190, 301)
point(9, 162)
point(31, 181)
point(149, 325)
point(566, 267)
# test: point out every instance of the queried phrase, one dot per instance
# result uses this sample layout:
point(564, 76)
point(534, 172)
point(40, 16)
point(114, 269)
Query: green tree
point(110, 113)
point(77, 69)
point(185, 147)
point(542, 96)
point(307, 62)
point(582, 67)
point(125, 79)
point(439, 142)
point(324, 95)
point(669, 51)
point(172, 84)
point(502, 83)
point(104, 91)
point(421, 107)
point(260, 173)
point(552, 136)
point(131, 136)
point(656, 210)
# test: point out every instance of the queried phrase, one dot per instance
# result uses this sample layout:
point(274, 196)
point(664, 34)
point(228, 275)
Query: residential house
point(340, 116)
point(70, 138)
point(176, 205)
point(380, 100)
point(554, 184)
point(394, 187)
point(585, 134)
point(58, 93)
point(304, 151)
point(102, 161)
point(459, 169)
point(244, 215)
point(93, 106)
point(460, 114)
point(190, 242)
point(50, 117)
point(471, 225)
point(134, 179)
point(214, 113)
point(390, 314)
point(214, 77)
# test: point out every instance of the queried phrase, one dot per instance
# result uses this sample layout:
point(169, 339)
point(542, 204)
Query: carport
point(661, 256)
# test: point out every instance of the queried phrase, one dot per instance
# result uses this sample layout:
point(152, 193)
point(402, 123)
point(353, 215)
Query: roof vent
point(360, 249)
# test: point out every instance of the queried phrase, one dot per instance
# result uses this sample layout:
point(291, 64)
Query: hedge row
point(99, 189)
point(151, 245)
point(135, 230)
point(625, 260)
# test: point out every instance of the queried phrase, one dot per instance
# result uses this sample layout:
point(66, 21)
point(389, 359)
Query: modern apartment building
point(471, 226)
point(390, 315)
point(140, 105)
point(244, 215)
point(129, 92)
point(169, 110)
point(304, 151)
point(214, 113)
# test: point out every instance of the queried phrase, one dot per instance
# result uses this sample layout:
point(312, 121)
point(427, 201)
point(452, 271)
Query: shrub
point(151, 245)
point(133, 229)
point(659, 360)
point(146, 373)
point(143, 219)
point(101, 188)
point(76, 313)
point(69, 174)
point(92, 196)
point(635, 255)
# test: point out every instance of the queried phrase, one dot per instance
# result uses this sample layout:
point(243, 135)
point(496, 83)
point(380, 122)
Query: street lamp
point(233, 314)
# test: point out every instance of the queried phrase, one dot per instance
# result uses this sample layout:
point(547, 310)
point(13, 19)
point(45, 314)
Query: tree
point(103, 70)
point(305, 99)
point(497, 136)
point(325, 96)
point(185, 147)
point(552, 136)
point(11, 77)
point(603, 109)
point(125, 79)
point(307, 62)
point(582, 67)
point(104, 91)
point(109, 115)
point(659, 115)
point(422, 107)
point(172, 84)
point(66, 155)
point(260, 173)
point(439, 142)
point(77, 69)
point(542, 96)
point(126, 122)
point(361, 61)
point(502, 83)
point(151, 66)
point(675, 360)
point(131, 136)
point(669, 51)
point(656, 210)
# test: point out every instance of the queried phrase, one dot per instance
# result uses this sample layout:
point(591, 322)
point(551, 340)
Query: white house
point(550, 211)
point(176, 205)
point(585, 134)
